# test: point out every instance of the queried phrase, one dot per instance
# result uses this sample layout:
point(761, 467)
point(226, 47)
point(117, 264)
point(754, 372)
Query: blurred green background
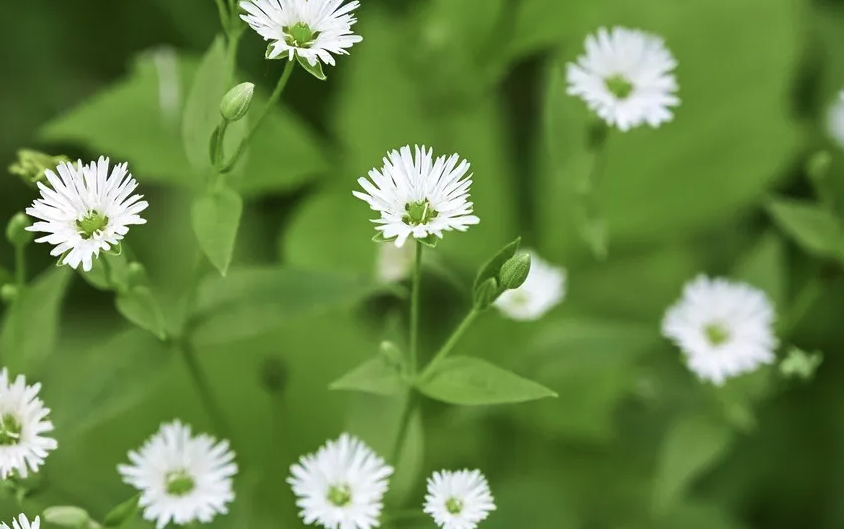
point(633, 441)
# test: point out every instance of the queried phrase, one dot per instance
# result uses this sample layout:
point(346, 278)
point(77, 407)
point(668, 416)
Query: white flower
point(341, 486)
point(312, 29)
point(458, 500)
point(835, 120)
point(419, 196)
point(394, 264)
point(85, 210)
point(544, 289)
point(182, 478)
point(23, 423)
point(626, 78)
point(724, 328)
point(23, 523)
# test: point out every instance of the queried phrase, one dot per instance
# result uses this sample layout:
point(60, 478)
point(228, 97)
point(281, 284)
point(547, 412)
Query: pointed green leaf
point(375, 376)
point(215, 217)
point(202, 107)
point(690, 448)
point(29, 332)
point(815, 229)
point(121, 515)
point(473, 382)
point(139, 306)
point(109, 272)
point(313, 69)
point(492, 268)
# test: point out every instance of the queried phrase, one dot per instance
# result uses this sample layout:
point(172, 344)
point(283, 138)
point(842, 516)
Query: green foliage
point(474, 382)
point(123, 514)
point(375, 376)
point(815, 229)
point(215, 217)
point(139, 306)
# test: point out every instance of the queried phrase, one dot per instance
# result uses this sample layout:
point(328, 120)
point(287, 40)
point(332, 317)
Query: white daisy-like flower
point(22, 522)
point(419, 196)
point(85, 211)
point(626, 78)
point(544, 289)
point(458, 500)
point(311, 29)
point(341, 486)
point(835, 120)
point(394, 264)
point(724, 328)
point(23, 423)
point(182, 478)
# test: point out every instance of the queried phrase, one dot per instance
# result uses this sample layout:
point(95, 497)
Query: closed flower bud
point(16, 232)
point(67, 516)
point(8, 293)
point(31, 165)
point(236, 102)
point(515, 271)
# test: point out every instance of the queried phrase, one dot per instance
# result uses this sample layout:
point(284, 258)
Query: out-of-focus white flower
point(724, 328)
point(86, 211)
point(182, 478)
point(315, 30)
point(626, 78)
point(458, 500)
point(419, 196)
point(22, 523)
point(544, 289)
point(341, 486)
point(835, 120)
point(23, 423)
point(394, 263)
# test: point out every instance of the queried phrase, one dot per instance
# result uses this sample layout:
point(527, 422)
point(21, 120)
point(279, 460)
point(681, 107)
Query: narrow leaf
point(215, 217)
point(493, 266)
point(690, 447)
point(815, 229)
point(139, 306)
point(373, 376)
point(472, 382)
point(202, 107)
point(29, 332)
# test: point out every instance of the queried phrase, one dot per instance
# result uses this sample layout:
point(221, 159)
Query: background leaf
point(215, 217)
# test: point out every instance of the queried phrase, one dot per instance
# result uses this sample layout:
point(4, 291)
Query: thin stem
point(452, 341)
point(414, 310)
point(282, 82)
point(590, 220)
point(20, 265)
point(408, 411)
point(219, 136)
point(215, 413)
point(224, 14)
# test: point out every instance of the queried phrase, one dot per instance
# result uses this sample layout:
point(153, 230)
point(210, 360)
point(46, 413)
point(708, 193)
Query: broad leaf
point(140, 307)
point(31, 326)
point(815, 229)
point(690, 448)
point(215, 217)
point(374, 376)
point(473, 382)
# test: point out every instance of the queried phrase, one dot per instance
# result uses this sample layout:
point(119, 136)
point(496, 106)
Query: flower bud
point(31, 165)
point(137, 274)
point(486, 293)
point(515, 271)
point(236, 102)
point(8, 293)
point(818, 165)
point(391, 353)
point(800, 364)
point(16, 232)
point(66, 516)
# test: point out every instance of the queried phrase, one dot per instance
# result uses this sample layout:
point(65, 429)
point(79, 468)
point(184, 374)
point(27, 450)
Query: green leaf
point(202, 107)
point(689, 449)
point(140, 307)
point(117, 268)
point(254, 301)
point(763, 266)
point(31, 326)
point(215, 217)
point(106, 381)
point(374, 376)
point(473, 382)
point(493, 267)
point(815, 229)
point(123, 514)
point(313, 69)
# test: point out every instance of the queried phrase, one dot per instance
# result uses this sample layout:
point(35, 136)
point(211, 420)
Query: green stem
point(241, 150)
point(590, 220)
point(206, 395)
point(20, 265)
point(414, 310)
point(408, 411)
point(452, 341)
point(224, 15)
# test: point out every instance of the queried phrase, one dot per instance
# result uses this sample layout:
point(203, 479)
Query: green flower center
point(91, 224)
point(179, 483)
point(340, 495)
point(619, 86)
point(716, 334)
point(453, 505)
point(299, 35)
point(417, 213)
point(10, 430)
